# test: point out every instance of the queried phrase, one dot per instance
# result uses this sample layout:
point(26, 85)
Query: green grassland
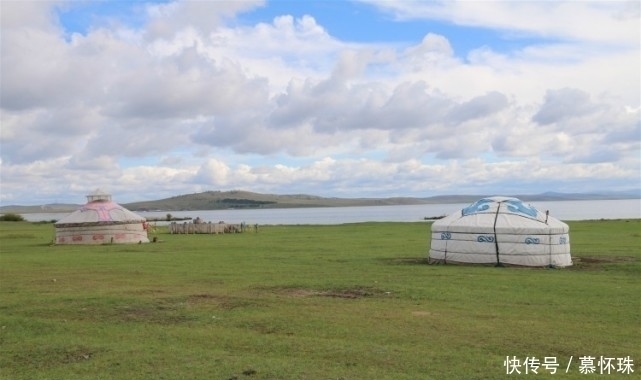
point(353, 301)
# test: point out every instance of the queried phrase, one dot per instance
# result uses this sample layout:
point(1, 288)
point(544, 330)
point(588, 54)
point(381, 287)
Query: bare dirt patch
point(77, 355)
point(48, 357)
point(220, 301)
point(351, 293)
point(347, 293)
point(204, 298)
point(603, 259)
point(297, 292)
point(599, 262)
point(157, 314)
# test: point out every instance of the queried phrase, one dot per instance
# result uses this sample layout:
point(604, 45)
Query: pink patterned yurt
point(101, 221)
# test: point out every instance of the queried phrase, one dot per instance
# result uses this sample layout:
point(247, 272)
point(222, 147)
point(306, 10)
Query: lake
point(564, 210)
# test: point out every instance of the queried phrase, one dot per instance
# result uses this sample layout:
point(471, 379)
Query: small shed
point(101, 221)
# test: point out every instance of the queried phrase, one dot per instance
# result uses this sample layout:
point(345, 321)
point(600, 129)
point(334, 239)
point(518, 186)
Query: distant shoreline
point(563, 210)
point(243, 200)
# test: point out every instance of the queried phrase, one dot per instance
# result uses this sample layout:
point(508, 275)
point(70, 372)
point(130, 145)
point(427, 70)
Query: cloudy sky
point(364, 98)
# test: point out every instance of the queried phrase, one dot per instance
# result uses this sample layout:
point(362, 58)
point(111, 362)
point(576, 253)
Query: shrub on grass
point(11, 217)
point(51, 221)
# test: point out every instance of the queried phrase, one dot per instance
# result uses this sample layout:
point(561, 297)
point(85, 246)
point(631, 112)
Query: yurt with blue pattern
point(501, 231)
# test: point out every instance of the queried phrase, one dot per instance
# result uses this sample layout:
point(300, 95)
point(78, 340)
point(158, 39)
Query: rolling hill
point(238, 199)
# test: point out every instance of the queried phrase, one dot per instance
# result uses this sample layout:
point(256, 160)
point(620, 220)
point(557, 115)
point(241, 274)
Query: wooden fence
point(206, 228)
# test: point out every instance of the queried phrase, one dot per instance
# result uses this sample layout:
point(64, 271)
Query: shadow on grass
point(579, 263)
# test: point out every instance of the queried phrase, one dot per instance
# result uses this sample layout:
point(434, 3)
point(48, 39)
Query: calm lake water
point(564, 210)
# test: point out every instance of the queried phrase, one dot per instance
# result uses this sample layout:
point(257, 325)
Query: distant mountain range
point(218, 200)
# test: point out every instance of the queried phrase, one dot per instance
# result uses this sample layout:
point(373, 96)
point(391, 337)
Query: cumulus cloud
point(165, 19)
point(563, 104)
point(187, 100)
point(479, 107)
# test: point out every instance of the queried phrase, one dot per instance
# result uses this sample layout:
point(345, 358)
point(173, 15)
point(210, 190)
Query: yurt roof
point(501, 215)
point(100, 209)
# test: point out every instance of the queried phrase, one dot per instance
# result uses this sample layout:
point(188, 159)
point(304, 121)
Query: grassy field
point(354, 301)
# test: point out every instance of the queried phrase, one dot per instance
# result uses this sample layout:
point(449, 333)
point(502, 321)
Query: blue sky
point(367, 98)
point(349, 21)
point(361, 22)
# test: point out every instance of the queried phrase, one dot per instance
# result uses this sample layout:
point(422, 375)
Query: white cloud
point(563, 104)
point(165, 19)
point(189, 101)
point(597, 21)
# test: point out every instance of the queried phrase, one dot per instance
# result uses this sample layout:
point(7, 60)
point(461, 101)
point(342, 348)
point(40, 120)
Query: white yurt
point(101, 221)
point(501, 231)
